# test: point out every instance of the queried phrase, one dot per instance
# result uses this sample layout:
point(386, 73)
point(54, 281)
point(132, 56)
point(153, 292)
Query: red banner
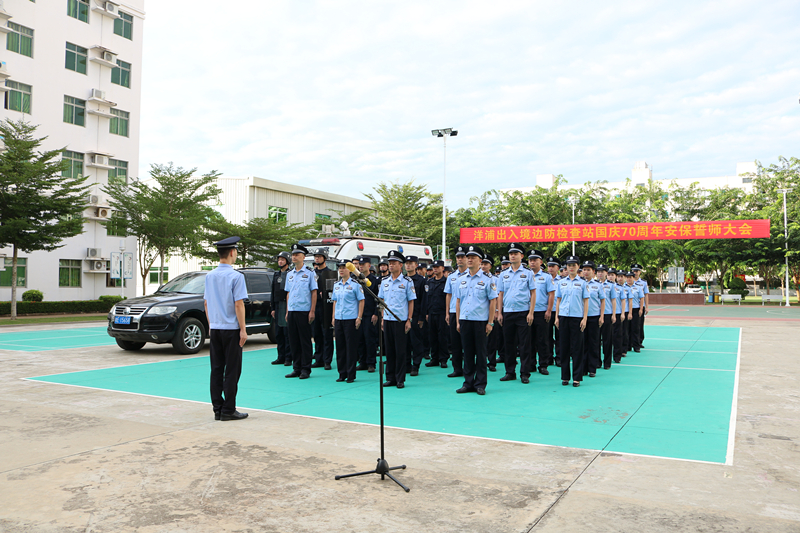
point(718, 229)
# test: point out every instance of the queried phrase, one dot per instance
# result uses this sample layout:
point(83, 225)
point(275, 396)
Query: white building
point(244, 199)
point(74, 67)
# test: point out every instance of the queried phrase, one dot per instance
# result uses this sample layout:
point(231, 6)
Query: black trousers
point(617, 338)
point(368, 342)
point(492, 344)
point(607, 339)
point(226, 367)
point(438, 338)
point(517, 335)
point(282, 338)
point(474, 339)
point(395, 346)
point(571, 340)
point(635, 340)
point(323, 339)
point(457, 347)
point(414, 347)
point(539, 341)
point(426, 339)
point(346, 347)
point(641, 326)
point(501, 345)
point(300, 340)
point(555, 337)
point(626, 334)
point(591, 344)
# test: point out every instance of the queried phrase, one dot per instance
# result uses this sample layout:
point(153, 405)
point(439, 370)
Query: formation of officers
point(532, 312)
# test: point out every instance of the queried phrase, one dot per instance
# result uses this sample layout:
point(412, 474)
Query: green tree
point(167, 213)
point(39, 205)
point(407, 209)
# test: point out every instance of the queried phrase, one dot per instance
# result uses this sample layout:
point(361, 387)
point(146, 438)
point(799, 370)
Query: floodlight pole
point(572, 201)
point(786, 239)
point(444, 134)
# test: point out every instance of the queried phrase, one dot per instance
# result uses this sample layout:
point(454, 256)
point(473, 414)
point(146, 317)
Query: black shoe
point(293, 375)
point(455, 375)
point(339, 380)
point(287, 363)
point(558, 362)
point(606, 367)
point(277, 362)
point(481, 391)
point(576, 383)
point(431, 363)
point(492, 368)
point(401, 385)
point(350, 380)
point(624, 354)
point(525, 379)
point(362, 367)
point(236, 415)
point(509, 377)
point(637, 350)
point(641, 347)
point(390, 384)
point(443, 365)
point(464, 389)
point(426, 356)
point(414, 372)
point(565, 383)
point(617, 361)
point(592, 374)
point(371, 369)
point(318, 365)
point(543, 371)
point(217, 415)
point(304, 375)
point(328, 367)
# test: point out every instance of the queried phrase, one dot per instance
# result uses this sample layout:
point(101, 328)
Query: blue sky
point(341, 95)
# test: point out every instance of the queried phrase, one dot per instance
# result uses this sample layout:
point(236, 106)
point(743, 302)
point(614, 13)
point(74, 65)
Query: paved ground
point(75, 459)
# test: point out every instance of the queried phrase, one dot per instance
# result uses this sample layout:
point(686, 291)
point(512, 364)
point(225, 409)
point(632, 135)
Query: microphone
point(358, 275)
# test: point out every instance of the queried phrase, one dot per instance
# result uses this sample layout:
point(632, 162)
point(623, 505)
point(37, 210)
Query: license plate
point(122, 320)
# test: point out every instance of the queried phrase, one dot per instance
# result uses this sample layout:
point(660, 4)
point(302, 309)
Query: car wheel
point(190, 336)
point(130, 345)
point(272, 334)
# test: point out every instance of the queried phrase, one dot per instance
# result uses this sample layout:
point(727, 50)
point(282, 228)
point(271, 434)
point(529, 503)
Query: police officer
point(572, 307)
point(279, 310)
point(348, 308)
point(450, 291)
point(301, 302)
point(476, 300)
point(542, 314)
point(435, 313)
point(425, 271)
point(368, 332)
point(494, 344)
point(323, 329)
point(594, 320)
point(383, 268)
point(610, 316)
point(516, 299)
point(415, 349)
point(637, 300)
point(398, 292)
point(225, 292)
point(619, 315)
point(625, 289)
point(553, 267)
point(645, 303)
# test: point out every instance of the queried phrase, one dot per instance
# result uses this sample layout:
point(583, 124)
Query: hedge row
point(84, 306)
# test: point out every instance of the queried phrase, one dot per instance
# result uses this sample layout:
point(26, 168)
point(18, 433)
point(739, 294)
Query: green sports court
point(56, 339)
point(674, 400)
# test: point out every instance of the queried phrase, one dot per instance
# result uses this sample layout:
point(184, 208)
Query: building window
point(75, 167)
point(278, 214)
point(20, 39)
point(119, 174)
point(74, 111)
point(124, 25)
point(321, 217)
point(117, 225)
point(121, 74)
point(78, 9)
point(22, 268)
point(77, 57)
point(118, 124)
point(69, 273)
point(19, 97)
point(154, 275)
point(111, 282)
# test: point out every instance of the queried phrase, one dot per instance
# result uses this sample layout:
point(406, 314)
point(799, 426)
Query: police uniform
point(622, 300)
point(415, 348)
point(552, 336)
point(368, 332)
point(398, 292)
point(625, 289)
point(517, 289)
point(637, 295)
point(643, 304)
point(224, 287)
point(591, 334)
point(495, 343)
point(572, 297)
point(456, 349)
point(279, 308)
point(542, 317)
point(348, 307)
point(475, 310)
point(435, 312)
point(607, 329)
point(323, 330)
point(301, 288)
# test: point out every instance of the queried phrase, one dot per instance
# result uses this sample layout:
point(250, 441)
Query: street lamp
point(786, 237)
point(573, 201)
point(122, 264)
point(444, 134)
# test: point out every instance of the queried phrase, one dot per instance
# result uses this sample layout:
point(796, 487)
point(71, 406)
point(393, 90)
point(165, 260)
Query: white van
point(351, 246)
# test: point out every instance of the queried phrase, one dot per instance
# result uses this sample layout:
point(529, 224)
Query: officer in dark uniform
point(398, 292)
point(542, 314)
point(383, 268)
point(279, 310)
point(368, 345)
point(435, 313)
point(348, 308)
point(415, 348)
point(301, 301)
point(425, 271)
point(225, 293)
point(323, 328)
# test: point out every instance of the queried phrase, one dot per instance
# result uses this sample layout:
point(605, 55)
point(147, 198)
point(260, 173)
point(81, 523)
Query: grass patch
point(51, 320)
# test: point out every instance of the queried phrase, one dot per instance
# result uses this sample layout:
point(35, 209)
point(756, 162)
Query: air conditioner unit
point(3, 67)
point(98, 265)
point(98, 159)
point(97, 93)
point(102, 212)
point(111, 57)
point(112, 8)
point(94, 252)
point(93, 199)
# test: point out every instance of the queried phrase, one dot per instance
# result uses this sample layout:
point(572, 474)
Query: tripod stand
point(383, 469)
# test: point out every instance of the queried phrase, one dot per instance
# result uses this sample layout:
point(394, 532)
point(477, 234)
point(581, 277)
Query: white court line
point(388, 427)
point(676, 367)
point(734, 406)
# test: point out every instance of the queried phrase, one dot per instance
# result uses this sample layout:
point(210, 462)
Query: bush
point(743, 292)
point(736, 284)
point(32, 296)
point(81, 306)
point(111, 298)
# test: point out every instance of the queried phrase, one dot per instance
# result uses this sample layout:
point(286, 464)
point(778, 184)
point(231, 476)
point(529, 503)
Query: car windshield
point(192, 283)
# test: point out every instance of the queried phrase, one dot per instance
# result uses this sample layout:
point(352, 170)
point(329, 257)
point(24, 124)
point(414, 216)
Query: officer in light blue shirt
point(398, 292)
point(225, 292)
point(348, 308)
point(637, 297)
point(451, 318)
point(595, 319)
point(543, 323)
point(645, 301)
point(610, 315)
point(572, 296)
point(301, 301)
point(517, 298)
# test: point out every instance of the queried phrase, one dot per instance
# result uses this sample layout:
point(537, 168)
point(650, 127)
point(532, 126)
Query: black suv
point(176, 313)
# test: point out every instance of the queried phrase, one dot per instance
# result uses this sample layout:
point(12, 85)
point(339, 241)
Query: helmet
point(321, 251)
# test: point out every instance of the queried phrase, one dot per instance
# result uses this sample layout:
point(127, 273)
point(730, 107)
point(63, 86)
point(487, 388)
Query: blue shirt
point(572, 293)
point(623, 298)
point(224, 287)
point(596, 297)
point(544, 286)
point(475, 294)
point(346, 295)
point(554, 281)
point(516, 288)
point(645, 289)
point(451, 286)
point(299, 286)
point(397, 293)
point(637, 294)
point(610, 289)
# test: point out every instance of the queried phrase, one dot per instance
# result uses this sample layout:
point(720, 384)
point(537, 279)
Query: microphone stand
point(383, 467)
